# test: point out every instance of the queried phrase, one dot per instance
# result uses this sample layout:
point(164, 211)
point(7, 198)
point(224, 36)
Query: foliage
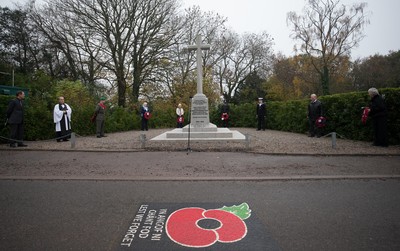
point(243, 210)
point(287, 116)
point(378, 71)
point(327, 31)
point(295, 78)
point(17, 40)
point(343, 112)
point(243, 58)
point(242, 115)
point(251, 89)
point(121, 119)
point(4, 100)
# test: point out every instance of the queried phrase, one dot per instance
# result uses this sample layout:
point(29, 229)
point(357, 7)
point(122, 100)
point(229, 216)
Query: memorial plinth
point(199, 116)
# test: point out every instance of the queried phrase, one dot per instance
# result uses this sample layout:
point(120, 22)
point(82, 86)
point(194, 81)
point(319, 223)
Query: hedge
point(343, 112)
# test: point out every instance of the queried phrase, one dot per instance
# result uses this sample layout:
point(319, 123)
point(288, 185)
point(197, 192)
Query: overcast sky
point(382, 34)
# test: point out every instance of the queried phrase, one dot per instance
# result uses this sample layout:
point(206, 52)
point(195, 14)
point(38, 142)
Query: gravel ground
point(268, 142)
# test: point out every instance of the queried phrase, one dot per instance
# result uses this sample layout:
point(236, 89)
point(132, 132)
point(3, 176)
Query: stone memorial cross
point(198, 47)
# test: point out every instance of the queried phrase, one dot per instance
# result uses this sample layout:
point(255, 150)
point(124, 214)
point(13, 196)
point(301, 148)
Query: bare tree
point(69, 41)
point(124, 38)
point(18, 40)
point(241, 56)
point(328, 30)
point(178, 66)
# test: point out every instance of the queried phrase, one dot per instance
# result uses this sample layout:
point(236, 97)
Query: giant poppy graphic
point(184, 228)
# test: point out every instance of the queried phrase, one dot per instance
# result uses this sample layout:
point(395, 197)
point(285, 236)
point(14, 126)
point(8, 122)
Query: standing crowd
point(62, 113)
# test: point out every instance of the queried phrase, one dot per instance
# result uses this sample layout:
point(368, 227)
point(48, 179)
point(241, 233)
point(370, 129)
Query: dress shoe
point(98, 136)
point(22, 145)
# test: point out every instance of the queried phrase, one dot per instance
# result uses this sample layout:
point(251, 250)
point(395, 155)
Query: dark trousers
point(261, 122)
point(380, 131)
point(313, 129)
point(144, 124)
point(64, 134)
point(100, 127)
point(17, 133)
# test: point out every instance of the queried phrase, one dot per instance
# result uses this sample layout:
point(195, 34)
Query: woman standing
point(179, 116)
point(378, 113)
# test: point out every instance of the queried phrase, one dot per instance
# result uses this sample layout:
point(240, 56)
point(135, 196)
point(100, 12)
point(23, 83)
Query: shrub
point(343, 112)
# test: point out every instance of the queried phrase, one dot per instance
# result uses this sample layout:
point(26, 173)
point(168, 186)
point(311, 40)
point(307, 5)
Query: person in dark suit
point(314, 112)
point(378, 113)
point(144, 109)
point(260, 114)
point(100, 113)
point(225, 114)
point(15, 118)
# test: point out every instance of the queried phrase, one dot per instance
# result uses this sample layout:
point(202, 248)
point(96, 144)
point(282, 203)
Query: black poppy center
point(209, 224)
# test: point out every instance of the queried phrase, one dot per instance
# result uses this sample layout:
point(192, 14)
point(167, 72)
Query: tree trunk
point(121, 92)
point(136, 82)
point(325, 81)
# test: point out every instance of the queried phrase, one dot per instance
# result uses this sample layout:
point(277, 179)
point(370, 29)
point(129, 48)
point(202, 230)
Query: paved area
point(265, 142)
point(191, 166)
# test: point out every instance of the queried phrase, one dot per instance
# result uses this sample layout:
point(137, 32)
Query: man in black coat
point(260, 114)
point(225, 114)
point(15, 117)
point(314, 112)
point(378, 113)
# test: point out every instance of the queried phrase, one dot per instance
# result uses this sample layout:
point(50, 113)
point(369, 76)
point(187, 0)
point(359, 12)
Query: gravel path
point(267, 142)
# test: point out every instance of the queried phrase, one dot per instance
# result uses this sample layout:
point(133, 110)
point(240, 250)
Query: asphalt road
point(192, 166)
point(125, 200)
point(285, 215)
